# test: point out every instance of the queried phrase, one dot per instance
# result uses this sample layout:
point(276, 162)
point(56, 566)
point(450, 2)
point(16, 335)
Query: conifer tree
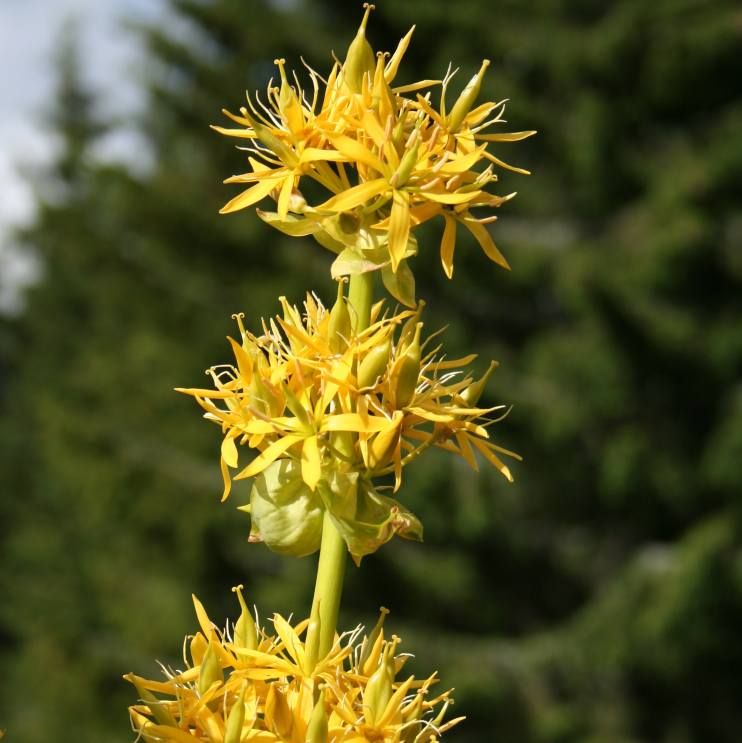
point(607, 580)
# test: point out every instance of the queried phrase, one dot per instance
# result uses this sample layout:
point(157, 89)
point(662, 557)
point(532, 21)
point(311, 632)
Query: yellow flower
point(387, 159)
point(273, 687)
point(330, 410)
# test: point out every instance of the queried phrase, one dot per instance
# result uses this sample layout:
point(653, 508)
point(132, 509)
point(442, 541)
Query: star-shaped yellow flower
point(246, 684)
point(387, 159)
point(331, 412)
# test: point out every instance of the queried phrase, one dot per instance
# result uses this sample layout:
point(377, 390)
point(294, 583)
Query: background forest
point(599, 599)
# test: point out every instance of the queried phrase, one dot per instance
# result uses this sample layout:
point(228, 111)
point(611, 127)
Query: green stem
point(328, 587)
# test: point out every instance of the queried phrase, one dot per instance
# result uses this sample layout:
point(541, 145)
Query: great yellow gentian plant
point(335, 403)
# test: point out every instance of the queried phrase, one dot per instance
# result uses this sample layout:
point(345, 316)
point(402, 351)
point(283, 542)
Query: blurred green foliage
point(599, 599)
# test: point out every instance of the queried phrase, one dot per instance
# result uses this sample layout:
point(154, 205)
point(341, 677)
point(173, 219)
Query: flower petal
point(399, 227)
point(270, 454)
point(485, 240)
point(250, 196)
point(448, 243)
point(311, 465)
point(355, 196)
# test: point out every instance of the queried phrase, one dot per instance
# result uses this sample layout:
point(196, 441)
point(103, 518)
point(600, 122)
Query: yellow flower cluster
point(243, 684)
point(330, 409)
point(386, 158)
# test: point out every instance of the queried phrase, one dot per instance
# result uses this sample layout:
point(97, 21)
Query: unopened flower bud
point(245, 632)
point(211, 670)
point(369, 650)
point(466, 100)
point(277, 709)
point(378, 691)
point(470, 396)
point(403, 172)
point(311, 645)
point(288, 103)
point(318, 722)
point(339, 322)
point(236, 719)
point(408, 371)
point(360, 58)
point(374, 363)
point(385, 441)
point(198, 648)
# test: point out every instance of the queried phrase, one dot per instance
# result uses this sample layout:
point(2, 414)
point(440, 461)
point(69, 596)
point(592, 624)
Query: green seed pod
point(339, 322)
point(470, 396)
point(285, 513)
point(236, 719)
point(318, 722)
point(374, 363)
point(408, 371)
point(211, 670)
point(466, 100)
point(245, 632)
point(360, 58)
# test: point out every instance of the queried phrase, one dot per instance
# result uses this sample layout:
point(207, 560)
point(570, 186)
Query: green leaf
point(350, 262)
point(365, 519)
point(401, 285)
point(290, 225)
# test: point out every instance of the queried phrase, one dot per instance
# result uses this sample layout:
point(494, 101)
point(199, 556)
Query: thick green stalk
point(328, 587)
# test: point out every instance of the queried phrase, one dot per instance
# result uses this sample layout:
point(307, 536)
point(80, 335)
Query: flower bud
point(318, 722)
point(371, 647)
point(198, 648)
point(211, 670)
point(339, 322)
point(374, 363)
point(285, 513)
point(470, 396)
point(466, 100)
point(360, 58)
point(311, 644)
point(407, 371)
point(245, 632)
point(236, 719)
point(378, 691)
point(385, 441)
point(402, 173)
point(277, 710)
point(288, 103)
